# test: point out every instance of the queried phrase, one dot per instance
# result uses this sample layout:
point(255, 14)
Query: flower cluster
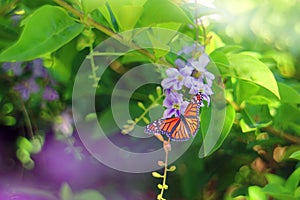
point(190, 76)
point(30, 85)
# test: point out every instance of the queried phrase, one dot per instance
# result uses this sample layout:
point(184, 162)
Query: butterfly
point(179, 128)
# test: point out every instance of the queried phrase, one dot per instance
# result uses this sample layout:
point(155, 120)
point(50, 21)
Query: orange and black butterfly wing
point(181, 132)
point(191, 115)
point(179, 128)
point(173, 127)
point(192, 124)
point(162, 126)
point(152, 128)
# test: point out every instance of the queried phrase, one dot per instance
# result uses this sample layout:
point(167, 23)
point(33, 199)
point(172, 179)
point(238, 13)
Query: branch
point(107, 31)
point(270, 129)
point(282, 134)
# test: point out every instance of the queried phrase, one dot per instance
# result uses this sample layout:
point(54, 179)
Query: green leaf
point(66, 192)
point(297, 192)
point(244, 90)
point(90, 117)
point(105, 12)
point(157, 175)
point(158, 11)
point(278, 192)
point(214, 43)
point(256, 193)
point(293, 180)
point(288, 94)
point(290, 114)
point(127, 13)
point(160, 49)
point(257, 116)
point(221, 61)
point(23, 155)
point(62, 62)
point(90, 5)
point(45, 31)
point(24, 143)
point(89, 195)
point(159, 186)
point(37, 143)
point(272, 178)
point(251, 69)
point(245, 127)
point(205, 121)
point(8, 120)
point(146, 120)
point(7, 108)
point(295, 155)
point(172, 168)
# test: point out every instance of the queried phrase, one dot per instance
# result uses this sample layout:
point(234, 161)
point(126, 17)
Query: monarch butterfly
point(182, 127)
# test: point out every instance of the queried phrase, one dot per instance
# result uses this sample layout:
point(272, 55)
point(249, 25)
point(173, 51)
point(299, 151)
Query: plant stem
point(270, 129)
point(165, 169)
point(282, 134)
point(94, 67)
point(27, 121)
point(153, 105)
point(91, 22)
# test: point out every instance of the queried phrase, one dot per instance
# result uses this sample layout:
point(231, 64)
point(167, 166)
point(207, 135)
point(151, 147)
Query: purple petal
point(177, 113)
point(27, 87)
point(188, 49)
point(15, 67)
point(188, 81)
point(169, 112)
point(50, 94)
point(172, 72)
point(178, 98)
point(33, 87)
point(38, 69)
point(168, 102)
point(179, 63)
point(186, 71)
point(22, 90)
point(177, 85)
point(167, 83)
point(203, 60)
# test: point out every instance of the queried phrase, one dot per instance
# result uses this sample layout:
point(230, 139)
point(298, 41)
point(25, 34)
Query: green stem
point(153, 105)
point(8, 7)
point(27, 121)
point(165, 173)
point(94, 67)
point(93, 23)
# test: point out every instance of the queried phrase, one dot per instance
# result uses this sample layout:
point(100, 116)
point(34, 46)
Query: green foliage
point(5, 114)
point(127, 128)
point(66, 193)
point(258, 69)
point(27, 147)
point(58, 29)
point(248, 68)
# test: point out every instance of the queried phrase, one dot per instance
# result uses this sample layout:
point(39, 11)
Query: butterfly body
point(179, 128)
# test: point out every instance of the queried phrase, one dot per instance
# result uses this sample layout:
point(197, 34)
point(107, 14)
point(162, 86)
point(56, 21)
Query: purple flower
point(179, 63)
point(200, 66)
point(206, 98)
point(177, 78)
point(197, 86)
point(13, 66)
point(38, 69)
point(64, 124)
point(26, 88)
point(175, 105)
point(190, 49)
point(50, 94)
